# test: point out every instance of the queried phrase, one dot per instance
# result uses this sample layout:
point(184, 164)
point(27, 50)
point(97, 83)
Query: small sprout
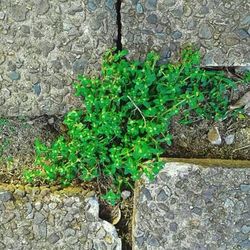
point(111, 197)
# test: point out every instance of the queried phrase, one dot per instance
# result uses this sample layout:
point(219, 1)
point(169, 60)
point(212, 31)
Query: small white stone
point(245, 229)
point(228, 203)
point(6, 93)
point(52, 205)
point(45, 207)
point(101, 233)
point(10, 41)
point(51, 120)
point(125, 194)
point(92, 207)
point(2, 15)
point(30, 122)
point(229, 139)
point(38, 205)
point(30, 216)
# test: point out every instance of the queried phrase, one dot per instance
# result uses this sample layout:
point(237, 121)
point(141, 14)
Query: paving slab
point(45, 219)
point(219, 27)
point(192, 207)
point(44, 45)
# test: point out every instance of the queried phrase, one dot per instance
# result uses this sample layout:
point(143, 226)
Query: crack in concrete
point(119, 25)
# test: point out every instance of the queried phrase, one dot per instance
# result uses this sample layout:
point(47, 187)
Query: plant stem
point(145, 123)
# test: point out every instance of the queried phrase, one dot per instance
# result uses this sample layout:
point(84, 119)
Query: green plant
point(125, 124)
point(111, 197)
point(5, 143)
point(3, 122)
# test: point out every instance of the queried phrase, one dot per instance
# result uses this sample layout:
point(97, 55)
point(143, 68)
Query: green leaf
point(111, 197)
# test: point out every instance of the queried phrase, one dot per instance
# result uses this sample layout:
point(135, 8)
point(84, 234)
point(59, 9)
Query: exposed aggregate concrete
point(44, 45)
point(190, 207)
point(219, 27)
point(43, 218)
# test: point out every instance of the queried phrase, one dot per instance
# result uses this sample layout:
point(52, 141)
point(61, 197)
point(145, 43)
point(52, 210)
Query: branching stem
point(145, 123)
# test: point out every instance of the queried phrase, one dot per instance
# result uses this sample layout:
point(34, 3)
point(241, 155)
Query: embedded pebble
point(2, 15)
point(125, 194)
point(14, 76)
point(245, 187)
point(38, 205)
point(53, 238)
point(52, 205)
point(245, 229)
point(51, 120)
point(5, 196)
point(38, 218)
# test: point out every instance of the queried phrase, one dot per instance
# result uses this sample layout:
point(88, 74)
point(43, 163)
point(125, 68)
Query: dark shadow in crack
point(119, 25)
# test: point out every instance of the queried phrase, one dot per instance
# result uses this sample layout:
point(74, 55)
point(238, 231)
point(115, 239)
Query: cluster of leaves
point(125, 124)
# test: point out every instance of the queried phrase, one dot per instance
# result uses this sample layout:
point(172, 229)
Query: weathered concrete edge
point(57, 190)
point(212, 162)
point(203, 163)
point(138, 184)
point(20, 193)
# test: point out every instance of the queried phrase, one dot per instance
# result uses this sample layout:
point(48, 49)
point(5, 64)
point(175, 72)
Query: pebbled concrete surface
point(44, 219)
point(44, 45)
point(191, 207)
point(219, 27)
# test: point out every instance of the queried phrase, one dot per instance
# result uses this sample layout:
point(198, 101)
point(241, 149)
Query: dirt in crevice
point(124, 226)
point(192, 141)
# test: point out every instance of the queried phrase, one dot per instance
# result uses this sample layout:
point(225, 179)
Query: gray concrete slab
point(219, 27)
point(43, 219)
point(44, 45)
point(192, 207)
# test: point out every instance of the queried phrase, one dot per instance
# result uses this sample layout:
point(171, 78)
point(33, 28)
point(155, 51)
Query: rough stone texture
point(190, 207)
point(37, 218)
point(219, 27)
point(44, 45)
